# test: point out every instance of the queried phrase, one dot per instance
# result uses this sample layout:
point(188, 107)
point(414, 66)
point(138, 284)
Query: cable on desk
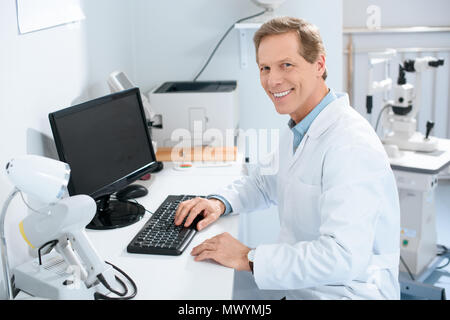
point(444, 252)
point(142, 206)
point(442, 267)
point(444, 249)
point(223, 37)
point(135, 201)
point(100, 296)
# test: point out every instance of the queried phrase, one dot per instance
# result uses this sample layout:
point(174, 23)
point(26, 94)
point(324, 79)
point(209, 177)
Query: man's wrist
point(228, 208)
point(219, 205)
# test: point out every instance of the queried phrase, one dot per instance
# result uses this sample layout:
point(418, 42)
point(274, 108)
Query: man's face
point(288, 79)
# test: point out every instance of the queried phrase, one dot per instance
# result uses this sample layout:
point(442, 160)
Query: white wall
point(398, 13)
point(176, 37)
point(45, 71)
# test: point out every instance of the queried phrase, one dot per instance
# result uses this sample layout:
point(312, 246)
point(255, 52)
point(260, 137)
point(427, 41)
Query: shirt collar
point(305, 123)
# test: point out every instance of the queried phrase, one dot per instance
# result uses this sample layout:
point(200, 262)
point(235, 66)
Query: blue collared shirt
point(302, 127)
point(298, 130)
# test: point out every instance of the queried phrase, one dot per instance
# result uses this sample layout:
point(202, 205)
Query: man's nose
point(275, 79)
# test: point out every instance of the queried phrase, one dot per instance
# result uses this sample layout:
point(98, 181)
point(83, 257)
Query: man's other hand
point(223, 249)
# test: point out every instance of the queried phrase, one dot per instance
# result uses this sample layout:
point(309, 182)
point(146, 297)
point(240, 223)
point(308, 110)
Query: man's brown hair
point(311, 45)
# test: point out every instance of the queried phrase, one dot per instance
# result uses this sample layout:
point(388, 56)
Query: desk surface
point(174, 277)
point(424, 162)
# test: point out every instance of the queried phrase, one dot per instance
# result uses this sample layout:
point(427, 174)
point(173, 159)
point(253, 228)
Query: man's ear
point(321, 66)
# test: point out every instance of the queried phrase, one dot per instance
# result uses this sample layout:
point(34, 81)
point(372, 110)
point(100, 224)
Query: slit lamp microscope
point(416, 160)
point(75, 270)
point(401, 120)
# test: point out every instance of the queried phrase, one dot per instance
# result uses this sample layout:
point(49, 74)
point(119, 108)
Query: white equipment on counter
point(401, 120)
point(416, 160)
point(196, 113)
point(76, 270)
point(416, 175)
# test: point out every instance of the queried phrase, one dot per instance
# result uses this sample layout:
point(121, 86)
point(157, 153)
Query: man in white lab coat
point(336, 194)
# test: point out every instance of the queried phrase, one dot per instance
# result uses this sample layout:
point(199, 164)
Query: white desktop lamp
point(41, 178)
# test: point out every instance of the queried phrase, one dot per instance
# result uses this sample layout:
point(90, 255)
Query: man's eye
point(287, 64)
point(264, 68)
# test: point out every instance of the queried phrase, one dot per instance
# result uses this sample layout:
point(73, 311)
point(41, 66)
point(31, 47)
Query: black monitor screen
point(105, 141)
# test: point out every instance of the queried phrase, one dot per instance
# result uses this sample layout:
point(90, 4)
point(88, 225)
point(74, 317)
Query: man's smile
point(281, 94)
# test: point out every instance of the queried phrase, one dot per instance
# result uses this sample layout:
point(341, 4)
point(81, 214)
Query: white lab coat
point(338, 209)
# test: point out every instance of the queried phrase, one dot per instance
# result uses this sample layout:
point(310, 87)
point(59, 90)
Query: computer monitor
point(107, 144)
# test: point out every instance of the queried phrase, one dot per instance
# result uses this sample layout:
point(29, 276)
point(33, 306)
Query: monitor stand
point(112, 214)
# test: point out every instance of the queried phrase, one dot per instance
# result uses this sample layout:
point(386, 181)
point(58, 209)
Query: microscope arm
point(94, 265)
point(64, 248)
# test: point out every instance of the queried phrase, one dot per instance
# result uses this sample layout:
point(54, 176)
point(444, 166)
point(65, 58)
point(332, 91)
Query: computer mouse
point(132, 191)
point(197, 219)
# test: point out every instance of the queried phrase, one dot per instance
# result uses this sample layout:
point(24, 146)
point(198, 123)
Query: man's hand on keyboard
point(211, 209)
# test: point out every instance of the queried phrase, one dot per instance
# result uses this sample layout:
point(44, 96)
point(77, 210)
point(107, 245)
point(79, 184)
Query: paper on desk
point(33, 15)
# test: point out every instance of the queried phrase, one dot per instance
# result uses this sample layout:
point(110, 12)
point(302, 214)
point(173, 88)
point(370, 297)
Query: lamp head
point(42, 178)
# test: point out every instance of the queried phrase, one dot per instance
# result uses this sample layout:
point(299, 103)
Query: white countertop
point(174, 277)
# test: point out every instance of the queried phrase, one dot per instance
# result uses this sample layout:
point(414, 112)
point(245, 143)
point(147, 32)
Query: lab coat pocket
point(304, 206)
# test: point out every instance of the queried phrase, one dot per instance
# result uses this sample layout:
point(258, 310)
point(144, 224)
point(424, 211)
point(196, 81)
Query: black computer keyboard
point(160, 235)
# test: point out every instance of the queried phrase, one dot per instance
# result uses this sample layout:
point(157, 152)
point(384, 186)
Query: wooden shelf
point(208, 154)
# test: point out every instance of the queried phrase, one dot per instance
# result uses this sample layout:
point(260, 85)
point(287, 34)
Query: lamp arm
point(4, 252)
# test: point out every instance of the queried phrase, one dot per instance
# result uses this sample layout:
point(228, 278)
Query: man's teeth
point(281, 94)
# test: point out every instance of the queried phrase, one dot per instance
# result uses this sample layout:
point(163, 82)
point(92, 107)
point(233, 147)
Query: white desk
point(424, 162)
point(174, 277)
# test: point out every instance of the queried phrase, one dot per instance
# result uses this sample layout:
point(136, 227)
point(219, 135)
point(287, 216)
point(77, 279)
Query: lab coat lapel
point(328, 116)
point(323, 121)
point(299, 150)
